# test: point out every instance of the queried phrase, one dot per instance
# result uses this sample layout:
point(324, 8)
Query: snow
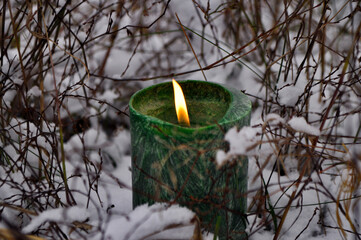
point(34, 91)
point(299, 124)
point(241, 143)
point(98, 163)
point(289, 94)
point(146, 221)
point(109, 96)
point(9, 96)
point(57, 215)
point(246, 141)
point(274, 119)
point(91, 139)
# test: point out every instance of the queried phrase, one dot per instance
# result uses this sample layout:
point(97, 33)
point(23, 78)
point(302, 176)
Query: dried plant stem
point(112, 38)
point(11, 235)
point(291, 199)
point(340, 82)
point(59, 91)
point(17, 40)
point(2, 32)
point(70, 199)
point(190, 45)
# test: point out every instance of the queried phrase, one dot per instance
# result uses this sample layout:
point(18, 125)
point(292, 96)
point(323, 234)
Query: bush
point(68, 69)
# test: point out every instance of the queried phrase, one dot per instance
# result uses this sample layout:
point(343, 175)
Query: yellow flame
point(180, 104)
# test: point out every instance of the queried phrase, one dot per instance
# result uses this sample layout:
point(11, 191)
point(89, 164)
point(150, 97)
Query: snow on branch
point(145, 221)
point(299, 124)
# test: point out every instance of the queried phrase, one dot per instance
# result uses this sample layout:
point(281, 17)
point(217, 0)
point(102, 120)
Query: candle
point(173, 160)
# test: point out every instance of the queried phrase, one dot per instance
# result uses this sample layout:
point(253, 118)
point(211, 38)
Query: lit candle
point(180, 104)
point(174, 161)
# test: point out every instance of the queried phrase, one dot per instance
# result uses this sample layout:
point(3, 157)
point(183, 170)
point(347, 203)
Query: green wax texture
point(176, 164)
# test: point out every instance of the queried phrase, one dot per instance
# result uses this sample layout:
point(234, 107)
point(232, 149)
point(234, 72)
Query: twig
point(190, 45)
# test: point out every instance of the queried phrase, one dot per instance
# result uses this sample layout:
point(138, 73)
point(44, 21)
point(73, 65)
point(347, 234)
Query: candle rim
point(228, 118)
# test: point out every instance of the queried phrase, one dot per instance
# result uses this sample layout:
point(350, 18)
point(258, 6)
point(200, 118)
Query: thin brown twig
point(190, 45)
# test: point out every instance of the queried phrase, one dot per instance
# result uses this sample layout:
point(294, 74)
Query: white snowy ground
point(110, 211)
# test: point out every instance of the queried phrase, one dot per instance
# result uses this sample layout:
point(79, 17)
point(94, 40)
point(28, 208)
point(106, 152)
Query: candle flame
point(180, 104)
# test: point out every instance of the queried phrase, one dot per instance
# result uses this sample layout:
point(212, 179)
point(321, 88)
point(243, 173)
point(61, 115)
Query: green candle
point(175, 163)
